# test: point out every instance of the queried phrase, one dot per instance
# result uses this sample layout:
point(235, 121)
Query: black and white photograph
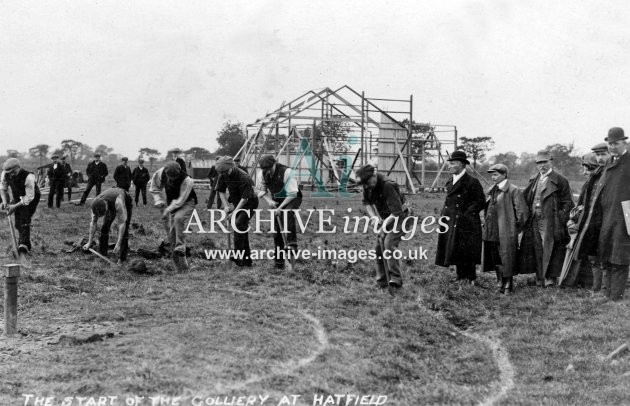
point(314, 203)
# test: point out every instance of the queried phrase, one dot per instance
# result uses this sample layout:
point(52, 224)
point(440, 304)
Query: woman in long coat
point(505, 215)
point(459, 244)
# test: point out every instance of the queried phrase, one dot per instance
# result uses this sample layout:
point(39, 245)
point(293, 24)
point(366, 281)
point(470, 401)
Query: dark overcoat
point(614, 242)
point(122, 176)
point(556, 205)
point(461, 243)
point(512, 213)
point(96, 173)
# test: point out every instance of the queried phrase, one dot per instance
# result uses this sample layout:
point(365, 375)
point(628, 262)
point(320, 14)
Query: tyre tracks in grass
point(499, 354)
point(287, 367)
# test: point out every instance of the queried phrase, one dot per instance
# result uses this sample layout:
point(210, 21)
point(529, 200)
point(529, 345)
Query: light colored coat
point(512, 213)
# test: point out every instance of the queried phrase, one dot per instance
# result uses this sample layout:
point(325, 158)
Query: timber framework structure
point(327, 134)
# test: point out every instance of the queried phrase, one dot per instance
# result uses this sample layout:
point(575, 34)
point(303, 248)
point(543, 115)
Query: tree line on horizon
point(231, 137)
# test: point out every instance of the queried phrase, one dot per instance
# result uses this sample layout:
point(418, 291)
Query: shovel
point(104, 258)
point(228, 265)
point(13, 238)
point(289, 260)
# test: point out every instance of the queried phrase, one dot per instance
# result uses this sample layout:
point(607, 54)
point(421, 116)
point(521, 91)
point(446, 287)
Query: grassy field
point(89, 330)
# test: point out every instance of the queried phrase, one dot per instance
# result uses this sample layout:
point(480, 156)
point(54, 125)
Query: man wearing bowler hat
point(122, 175)
point(96, 172)
point(614, 203)
point(57, 180)
point(459, 244)
point(549, 199)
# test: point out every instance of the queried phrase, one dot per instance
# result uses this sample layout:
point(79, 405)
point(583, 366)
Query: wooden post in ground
point(11, 275)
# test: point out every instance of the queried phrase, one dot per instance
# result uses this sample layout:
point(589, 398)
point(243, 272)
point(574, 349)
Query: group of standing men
point(59, 176)
point(525, 231)
point(528, 231)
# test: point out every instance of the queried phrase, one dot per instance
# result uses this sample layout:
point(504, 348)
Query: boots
point(507, 286)
point(499, 272)
point(179, 259)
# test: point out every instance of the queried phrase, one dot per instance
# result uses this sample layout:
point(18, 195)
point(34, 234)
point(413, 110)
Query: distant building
point(199, 168)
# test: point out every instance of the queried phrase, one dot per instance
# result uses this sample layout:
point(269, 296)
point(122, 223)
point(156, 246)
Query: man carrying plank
point(112, 204)
point(280, 190)
point(382, 199)
point(25, 197)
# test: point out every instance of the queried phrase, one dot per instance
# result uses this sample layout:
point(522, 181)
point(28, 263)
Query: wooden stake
point(11, 275)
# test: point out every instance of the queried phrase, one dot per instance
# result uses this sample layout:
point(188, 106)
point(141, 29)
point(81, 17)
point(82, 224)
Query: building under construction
point(327, 134)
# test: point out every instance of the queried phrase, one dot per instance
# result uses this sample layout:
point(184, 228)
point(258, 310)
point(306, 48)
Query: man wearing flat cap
point(549, 199)
point(23, 202)
point(583, 228)
point(592, 222)
point(614, 203)
point(505, 215)
point(96, 172)
point(459, 244)
point(178, 207)
point(280, 190)
point(383, 200)
point(122, 175)
point(57, 180)
point(241, 189)
point(140, 177)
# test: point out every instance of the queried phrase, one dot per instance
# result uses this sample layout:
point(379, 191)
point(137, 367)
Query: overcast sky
point(132, 74)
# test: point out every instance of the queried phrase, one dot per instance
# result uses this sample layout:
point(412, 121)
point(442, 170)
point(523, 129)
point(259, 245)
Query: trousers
point(388, 269)
point(103, 243)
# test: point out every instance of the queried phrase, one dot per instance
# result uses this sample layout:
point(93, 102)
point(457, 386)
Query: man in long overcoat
point(614, 239)
point(506, 213)
point(581, 265)
point(459, 244)
point(549, 199)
